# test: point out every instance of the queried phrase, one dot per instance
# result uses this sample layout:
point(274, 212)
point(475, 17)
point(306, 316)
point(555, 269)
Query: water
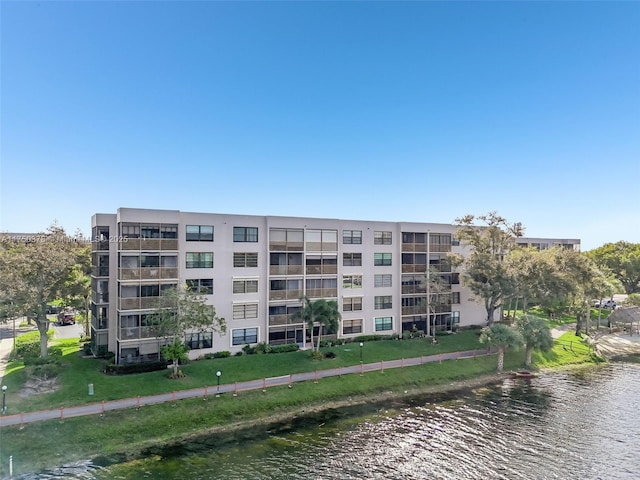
point(579, 425)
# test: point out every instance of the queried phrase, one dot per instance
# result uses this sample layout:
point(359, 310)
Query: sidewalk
point(259, 384)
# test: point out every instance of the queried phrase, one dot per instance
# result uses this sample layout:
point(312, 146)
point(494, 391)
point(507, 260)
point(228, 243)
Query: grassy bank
point(120, 435)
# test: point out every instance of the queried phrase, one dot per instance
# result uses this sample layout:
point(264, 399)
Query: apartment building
point(255, 270)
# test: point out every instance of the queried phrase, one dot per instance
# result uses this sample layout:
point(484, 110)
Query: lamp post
point(218, 374)
point(361, 345)
point(4, 399)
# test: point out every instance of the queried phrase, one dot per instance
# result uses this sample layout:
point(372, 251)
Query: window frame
point(245, 234)
point(199, 236)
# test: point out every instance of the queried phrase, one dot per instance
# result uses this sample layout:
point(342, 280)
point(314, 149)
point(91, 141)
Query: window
point(244, 259)
point(168, 231)
point(383, 302)
point(242, 336)
point(352, 281)
point(352, 237)
point(130, 230)
point(455, 297)
point(382, 238)
point(382, 324)
point(199, 259)
point(321, 240)
point(149, 290)
point(382, 280)
point(351, 304)
point(150, 231)
point(350, 327)
point(245, 286)
point(199, 340)
point(202, 285)
point(149, 260)
point(199, 233)
point(352, 259)
point(245, 234)
point(381, 259)
point(245, 310)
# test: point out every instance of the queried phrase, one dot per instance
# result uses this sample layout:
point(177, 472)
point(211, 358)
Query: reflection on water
point(579, 425)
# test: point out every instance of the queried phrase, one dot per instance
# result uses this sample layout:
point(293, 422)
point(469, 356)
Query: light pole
point(218, 374)
point(4, 399)
point(361, 345)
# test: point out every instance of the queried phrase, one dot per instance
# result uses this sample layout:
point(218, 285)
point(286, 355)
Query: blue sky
point(416, 111)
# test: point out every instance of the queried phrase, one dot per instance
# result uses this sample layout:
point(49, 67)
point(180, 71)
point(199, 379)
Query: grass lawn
point(77, 372)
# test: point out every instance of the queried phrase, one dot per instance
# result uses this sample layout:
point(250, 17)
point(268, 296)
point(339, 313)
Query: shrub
point(330, 355)
point(45, 371)
point(129, 368)
point(375, 338)
point(223, 354)
point(316, 355)
point(262, 348)
point(289, 347)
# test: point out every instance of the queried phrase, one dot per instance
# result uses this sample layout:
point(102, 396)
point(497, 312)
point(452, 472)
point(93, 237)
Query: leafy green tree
point(182, 311)
point(437, 292)
point(77, 288)
point(33, 273)
point(536, 335)
point(501, 337)
point(634, 299)
point(623, 259)
point(484, 269)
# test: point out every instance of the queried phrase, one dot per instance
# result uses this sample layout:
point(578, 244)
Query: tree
point(484, 269)
point(33, 273)
point(320, 311)
point(623, 259)
point(502, 337)
point(536, 335)
point(182, 311)
point(634, 299)
point(438, 292)
point(77, 288)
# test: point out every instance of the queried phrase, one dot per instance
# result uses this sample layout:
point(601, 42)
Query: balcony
point(148, 273)
point(100, 271)
point(322, 269)
point(275, 246)
point(322, 292)
point(149, 244)
point(98, 298)
point(137, 303)
point(100, 246)
point(285, 294)
point(285, 270)
point(134, 333)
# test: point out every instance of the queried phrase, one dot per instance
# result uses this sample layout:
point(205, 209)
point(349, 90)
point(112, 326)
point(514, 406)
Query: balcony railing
point(286, 246)
point(322, 292)
point(133, 333)
point(148, 244)
point(100, 271)
point(98, 298)
point(275, 320)
point(286, 270)
point(322, 269)
point(285, 294)
point(147, 273)
point(100, 246)
point(137, 303)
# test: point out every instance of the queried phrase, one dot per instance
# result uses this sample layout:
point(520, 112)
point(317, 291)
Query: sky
point(391, 111)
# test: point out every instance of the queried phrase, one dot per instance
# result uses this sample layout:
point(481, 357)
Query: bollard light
point(4, 399)
point(218, 374)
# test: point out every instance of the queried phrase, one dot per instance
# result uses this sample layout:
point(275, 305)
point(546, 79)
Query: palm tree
point(320, 311)
point(535, 333)
point(502, 337)
point(328, 316)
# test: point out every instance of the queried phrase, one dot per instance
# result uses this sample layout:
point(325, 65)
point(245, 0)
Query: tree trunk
point(42, 322)
point(319, 336)
point(527, 360)
point(500, 359)
point(524, 305)
point(490, 312)
point(588, 319)
point(579, 324)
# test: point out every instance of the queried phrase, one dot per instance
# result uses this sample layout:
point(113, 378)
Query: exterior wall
point(131, 343)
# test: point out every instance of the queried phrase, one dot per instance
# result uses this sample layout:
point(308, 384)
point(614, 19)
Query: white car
point(608, 304)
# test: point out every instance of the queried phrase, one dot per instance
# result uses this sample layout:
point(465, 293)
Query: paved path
point(137, 402)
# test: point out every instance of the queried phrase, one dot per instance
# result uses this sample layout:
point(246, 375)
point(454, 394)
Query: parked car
point(608, 304)
point(67, 317)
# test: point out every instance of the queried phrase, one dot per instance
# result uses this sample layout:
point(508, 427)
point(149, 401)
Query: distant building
point(255, 269)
